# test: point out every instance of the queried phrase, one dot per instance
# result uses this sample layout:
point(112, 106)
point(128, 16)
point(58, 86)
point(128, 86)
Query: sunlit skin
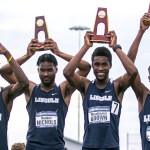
point(47, 72)
point(101, 68)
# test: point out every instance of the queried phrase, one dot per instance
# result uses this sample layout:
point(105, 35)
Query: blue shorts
point(83, 148)
point(31, 147)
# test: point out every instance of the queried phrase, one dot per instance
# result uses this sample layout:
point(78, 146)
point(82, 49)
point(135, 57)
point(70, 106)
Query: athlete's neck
point(48, 87)
point(101, 84)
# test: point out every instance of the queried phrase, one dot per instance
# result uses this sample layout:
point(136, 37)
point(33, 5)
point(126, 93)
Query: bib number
point(148, 133)
point(46, 119)
point(115, 108)
point(99, 114)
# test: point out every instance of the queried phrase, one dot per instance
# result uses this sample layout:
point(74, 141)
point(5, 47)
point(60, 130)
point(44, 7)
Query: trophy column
point(40, 25)
point(101, 17)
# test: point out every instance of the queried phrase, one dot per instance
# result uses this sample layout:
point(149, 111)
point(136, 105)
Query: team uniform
point(144, 117)
point(4, 117)
point(47, 112)
point(102, 111)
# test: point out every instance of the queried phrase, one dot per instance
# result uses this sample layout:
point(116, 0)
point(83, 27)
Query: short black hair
point(102, 51)
point(47, 57)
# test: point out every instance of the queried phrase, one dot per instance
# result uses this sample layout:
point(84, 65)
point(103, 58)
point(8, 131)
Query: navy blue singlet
point(4, 117)
point(144, 117)
point(47, 112)
point(102, 111)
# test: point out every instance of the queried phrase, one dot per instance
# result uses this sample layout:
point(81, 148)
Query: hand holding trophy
point(101, 19)
point(40, 25)
point(147, 21)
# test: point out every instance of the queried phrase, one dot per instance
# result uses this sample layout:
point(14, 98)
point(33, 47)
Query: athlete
point(141, 91)
point(47, 102)
point(102, 97)
point(8, 94)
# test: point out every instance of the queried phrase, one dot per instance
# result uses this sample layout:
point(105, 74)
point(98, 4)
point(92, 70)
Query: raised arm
point(137, 86)
point(73, 78)
point(22, 83)
point(135, 45)
point(83, 66)
point(7, 72)
point(122, 83)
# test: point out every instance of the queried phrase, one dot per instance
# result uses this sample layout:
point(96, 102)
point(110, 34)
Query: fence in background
point(133, 141)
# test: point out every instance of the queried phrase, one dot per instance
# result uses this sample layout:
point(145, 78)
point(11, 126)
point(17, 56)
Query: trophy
point(40, 25)
point(101, 19)
point(147, 22)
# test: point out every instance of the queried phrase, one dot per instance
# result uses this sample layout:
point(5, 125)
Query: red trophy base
point(100, 39)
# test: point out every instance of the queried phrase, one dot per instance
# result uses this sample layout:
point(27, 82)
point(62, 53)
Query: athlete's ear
point(56, 69)
point(110, 65)
point(149, 78)
point(38, 69)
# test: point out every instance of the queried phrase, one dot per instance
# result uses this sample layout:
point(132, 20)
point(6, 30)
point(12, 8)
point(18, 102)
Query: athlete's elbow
point(67, 72)
point(87, 69)
point(25, 84)
point(134, 72)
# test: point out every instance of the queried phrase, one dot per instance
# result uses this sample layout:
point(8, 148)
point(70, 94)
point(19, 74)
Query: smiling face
point(101, 63)
point(47, 72)
point(101, 66)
